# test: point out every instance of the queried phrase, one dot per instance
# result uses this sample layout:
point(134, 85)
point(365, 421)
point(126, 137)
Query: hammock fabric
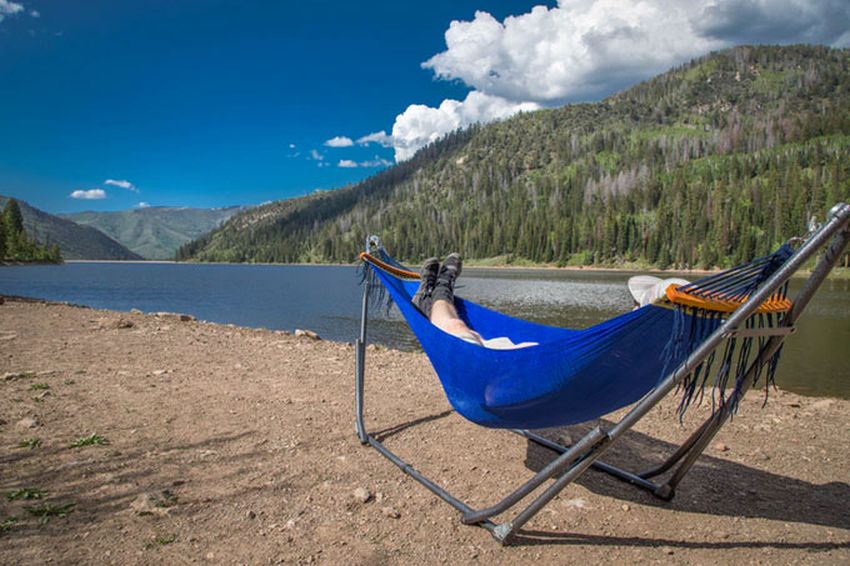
point(573, 376)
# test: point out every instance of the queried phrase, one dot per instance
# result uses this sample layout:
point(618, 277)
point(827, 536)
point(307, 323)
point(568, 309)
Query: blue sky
point(197, 103)
point(208, 103)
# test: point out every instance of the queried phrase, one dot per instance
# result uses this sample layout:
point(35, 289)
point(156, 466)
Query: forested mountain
point(15, 243)
point(707, 165)
point(74, 241)
point(155, 232)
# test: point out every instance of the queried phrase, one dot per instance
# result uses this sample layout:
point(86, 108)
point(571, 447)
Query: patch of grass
point(46, 511)
point(161, 540)
point(69, 382)
point(7, 524)
point(26, 493)
point(31, 443)
point(39, 387)
point(93, 439)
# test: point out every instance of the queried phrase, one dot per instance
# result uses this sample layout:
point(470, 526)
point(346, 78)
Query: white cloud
point(316, 155)
point(581, 49)
point(377, 162)
point(339, 141)
point(90, 194)
point(381, 138)
point(35, 13)
point(144, 204)
point(420, 125)
point(292, 146)
point(122, 183)
point(586, 49)
point(8, 8)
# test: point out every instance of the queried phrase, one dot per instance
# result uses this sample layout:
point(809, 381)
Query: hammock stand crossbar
point(574, 460)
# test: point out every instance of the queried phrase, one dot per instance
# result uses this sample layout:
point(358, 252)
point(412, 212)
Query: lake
point(326, 299)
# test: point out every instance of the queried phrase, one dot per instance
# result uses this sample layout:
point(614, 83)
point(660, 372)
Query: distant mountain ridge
point(74, 241)
point(155, 232)
point(709, 164)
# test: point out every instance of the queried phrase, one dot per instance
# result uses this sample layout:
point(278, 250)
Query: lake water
point(326, 299)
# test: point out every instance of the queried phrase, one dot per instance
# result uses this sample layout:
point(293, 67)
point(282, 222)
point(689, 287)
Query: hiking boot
point(444, 288)
point(427, 281)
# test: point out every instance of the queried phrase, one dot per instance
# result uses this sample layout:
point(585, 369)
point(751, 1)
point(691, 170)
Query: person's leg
point(443, 313)
point(445, 317)
point(427, 279)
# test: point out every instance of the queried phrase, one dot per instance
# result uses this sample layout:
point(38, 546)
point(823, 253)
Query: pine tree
point(12, 217)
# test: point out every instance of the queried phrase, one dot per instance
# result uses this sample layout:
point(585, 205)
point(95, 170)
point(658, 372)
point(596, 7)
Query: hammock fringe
point(733, 285)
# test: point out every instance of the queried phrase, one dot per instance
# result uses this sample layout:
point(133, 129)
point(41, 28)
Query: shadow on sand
point(714, 486)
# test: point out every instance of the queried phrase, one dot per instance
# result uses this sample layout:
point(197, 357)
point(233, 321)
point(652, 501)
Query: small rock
point(124, 323)
point(175, 316)
point(210, 556)
point(159, 372)
point(43, 395)
point(625, 507)
point(146, 504)
point(136, 311)
point(761, 455)
point(390, 512)
point(251, 515)
point(26, 422)
point(306, 334)
point(667, 550)
point(362, 495)
point(720, 447)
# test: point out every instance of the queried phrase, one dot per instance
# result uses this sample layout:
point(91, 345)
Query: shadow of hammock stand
point(574, 460)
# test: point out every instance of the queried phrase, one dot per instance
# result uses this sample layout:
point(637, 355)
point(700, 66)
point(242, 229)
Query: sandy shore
point(236, 446)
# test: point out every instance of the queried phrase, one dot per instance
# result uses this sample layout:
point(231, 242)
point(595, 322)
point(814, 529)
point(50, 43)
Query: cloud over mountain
point(420, 125)
point(90, 194)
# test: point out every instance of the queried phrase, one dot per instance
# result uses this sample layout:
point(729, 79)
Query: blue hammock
point(573, 376)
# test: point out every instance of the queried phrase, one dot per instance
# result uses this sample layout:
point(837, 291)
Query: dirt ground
point(214, 444)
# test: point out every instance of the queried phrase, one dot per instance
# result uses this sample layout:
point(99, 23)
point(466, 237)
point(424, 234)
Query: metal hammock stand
point(574, 460)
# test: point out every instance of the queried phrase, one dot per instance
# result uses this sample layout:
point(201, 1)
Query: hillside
point(155, 232)
point(706, 165)
point(75, 241)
